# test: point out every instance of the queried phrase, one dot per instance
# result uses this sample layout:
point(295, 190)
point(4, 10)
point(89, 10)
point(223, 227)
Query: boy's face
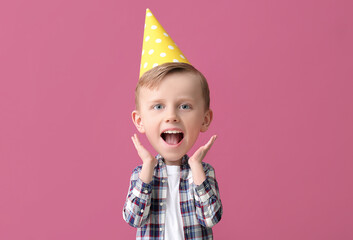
point(173, 115)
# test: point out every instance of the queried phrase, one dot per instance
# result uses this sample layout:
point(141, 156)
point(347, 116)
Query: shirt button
point(161, 229)
point(161, 204)
point(146, 191)
point(141, 210)
point(163, 181)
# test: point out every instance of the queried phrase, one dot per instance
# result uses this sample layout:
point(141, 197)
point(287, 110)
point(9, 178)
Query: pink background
point(280, 74)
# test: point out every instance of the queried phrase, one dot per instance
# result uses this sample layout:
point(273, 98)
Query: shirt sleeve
point(138, 201)
point(208, 204)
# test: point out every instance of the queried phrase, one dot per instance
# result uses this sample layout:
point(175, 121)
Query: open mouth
point(172, 137)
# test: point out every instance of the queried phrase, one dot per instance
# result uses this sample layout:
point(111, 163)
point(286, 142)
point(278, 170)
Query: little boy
point(172, 196)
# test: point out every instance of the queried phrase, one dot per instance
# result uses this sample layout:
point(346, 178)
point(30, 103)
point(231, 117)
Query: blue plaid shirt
point(200, 205)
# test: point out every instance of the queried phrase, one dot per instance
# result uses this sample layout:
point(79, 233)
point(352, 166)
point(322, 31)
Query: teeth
point(170, 131)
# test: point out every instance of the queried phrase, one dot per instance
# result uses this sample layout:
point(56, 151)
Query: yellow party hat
point(158, 47)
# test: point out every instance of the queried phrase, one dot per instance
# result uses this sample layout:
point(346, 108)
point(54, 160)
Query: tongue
point(172, 138)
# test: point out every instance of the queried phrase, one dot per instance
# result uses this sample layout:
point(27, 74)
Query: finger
point(209, 144)
point(134, 142)
point(139, 147)
point(137, 140)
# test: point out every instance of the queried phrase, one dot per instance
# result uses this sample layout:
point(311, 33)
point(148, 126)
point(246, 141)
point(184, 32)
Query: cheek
point(194, 121)
point(151, 127)
point(194, 128)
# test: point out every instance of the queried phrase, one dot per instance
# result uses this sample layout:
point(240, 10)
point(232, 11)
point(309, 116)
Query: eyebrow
point(155, 100)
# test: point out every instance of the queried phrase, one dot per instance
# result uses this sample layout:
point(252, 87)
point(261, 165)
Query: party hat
point(158, 47)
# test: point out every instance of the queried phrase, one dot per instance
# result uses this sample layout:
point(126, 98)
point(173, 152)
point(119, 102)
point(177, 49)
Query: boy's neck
point(173, 163)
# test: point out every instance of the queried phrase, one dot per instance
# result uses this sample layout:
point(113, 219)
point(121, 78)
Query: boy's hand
point(145, 155)
point(149, 162)
point(195, 162)
point(199, 155)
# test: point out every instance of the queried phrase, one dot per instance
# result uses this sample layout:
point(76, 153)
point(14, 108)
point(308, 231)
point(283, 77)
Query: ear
point(207, 120)
point(136, 119)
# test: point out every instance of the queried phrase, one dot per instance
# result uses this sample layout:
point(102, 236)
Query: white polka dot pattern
point(158, 44)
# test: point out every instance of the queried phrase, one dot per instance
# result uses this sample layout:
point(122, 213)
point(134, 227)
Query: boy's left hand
point(199, 155)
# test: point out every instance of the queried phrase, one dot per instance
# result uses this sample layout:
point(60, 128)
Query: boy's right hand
point(145, 155)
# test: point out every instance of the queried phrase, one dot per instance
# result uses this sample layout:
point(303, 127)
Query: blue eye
point(185, 106)
point(158, 107)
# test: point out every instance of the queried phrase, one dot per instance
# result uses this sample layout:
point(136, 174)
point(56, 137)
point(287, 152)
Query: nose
point(171, 116)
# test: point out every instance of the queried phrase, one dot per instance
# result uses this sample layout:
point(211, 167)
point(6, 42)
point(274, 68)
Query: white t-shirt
point(173, 221)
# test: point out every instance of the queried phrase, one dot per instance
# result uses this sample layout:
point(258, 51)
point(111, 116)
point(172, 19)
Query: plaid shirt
point(200, 206)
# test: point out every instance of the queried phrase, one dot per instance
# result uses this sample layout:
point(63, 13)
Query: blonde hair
point(154, 77)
